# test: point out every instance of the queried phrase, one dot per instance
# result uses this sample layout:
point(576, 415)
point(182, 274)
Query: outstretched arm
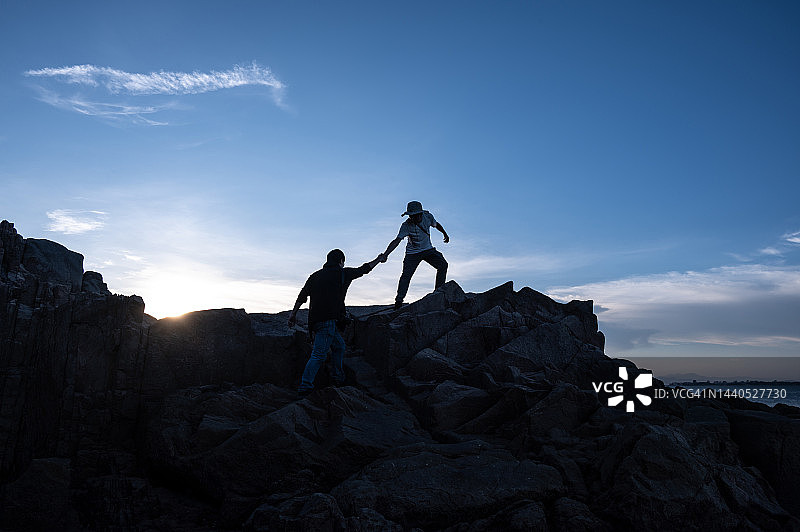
point(380, 258)
point(301, 298)
point(391, 247)
point(441, 229)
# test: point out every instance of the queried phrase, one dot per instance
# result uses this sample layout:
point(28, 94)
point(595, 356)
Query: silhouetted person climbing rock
point(327, 288)
point(419, 248)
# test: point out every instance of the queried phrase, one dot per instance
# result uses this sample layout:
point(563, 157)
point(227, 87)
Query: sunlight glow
point(176, 291)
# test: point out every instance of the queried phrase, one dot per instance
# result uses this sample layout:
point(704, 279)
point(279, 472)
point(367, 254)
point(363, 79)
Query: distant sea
point(769, 393)
point(768, 380)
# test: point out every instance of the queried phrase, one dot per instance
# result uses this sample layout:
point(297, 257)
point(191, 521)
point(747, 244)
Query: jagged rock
point(202, 438)
point(462, 412)
point(771, 443)
point(218, 346)
point(470, 341)
point(11, 247)
point(390, 339)
point(407, 334)
point(73, 374)
point(511, 405)
point(531, 516)
point(39, 498)
point(451, 405)
point(525, 516)
point(429, 486)
point(368, 520)
point(575, 516)
point(568, 468)
point(474, 305)
point(565, 408)
point(531, 303)
point(115, 502)
point(707, 430)
point(429, 365)
point(317, 512)
point(656, 477)
point(93, 283)
point(50, 260)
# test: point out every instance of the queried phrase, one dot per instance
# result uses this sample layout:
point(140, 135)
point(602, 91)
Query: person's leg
point(322, 342)
point(435, 258)
point(337, 355)
point(410, 263)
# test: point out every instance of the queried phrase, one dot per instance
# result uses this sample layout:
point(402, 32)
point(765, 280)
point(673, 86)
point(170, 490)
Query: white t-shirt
point(419, 235)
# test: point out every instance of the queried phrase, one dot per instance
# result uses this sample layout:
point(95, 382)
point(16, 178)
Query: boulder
point(524, 516)
point(261, 441)
point(541, 308)
point(471, 341)
point(223, 345)
point(317, 512)
point(50, 260)
point(564, 409)
point(93, 283)
point(450, 405)
point(430, 365)
point(575, 516)
point(771, 443)
point(657, 477)
point(432, 486)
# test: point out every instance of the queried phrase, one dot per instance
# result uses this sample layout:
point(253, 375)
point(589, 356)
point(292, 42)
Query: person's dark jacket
point(327, 288)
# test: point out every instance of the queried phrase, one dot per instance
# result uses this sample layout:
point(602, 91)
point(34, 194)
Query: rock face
point(461, 412)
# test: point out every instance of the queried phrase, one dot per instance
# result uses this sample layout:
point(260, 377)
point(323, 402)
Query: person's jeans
point(326, 337)
point(410, 263)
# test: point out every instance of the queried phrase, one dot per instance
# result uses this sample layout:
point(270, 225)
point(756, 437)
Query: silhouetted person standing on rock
point(418, 230)
point(327, 288)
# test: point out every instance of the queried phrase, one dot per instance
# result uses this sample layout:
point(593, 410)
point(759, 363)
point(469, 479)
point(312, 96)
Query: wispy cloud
point(106, 82)
point(792, 238)
point(785, 245)
point(71, 222)
point(173, 83)
point(753, 305)
point(112, 111)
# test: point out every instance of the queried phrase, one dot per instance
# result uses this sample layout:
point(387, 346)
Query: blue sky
point(209, 154)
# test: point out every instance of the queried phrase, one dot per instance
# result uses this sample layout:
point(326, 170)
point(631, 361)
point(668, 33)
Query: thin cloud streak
point(105, 83)
point(71, 222)
point(163, 82)
point(727, 284)
point(748, 341)
point(132, 113)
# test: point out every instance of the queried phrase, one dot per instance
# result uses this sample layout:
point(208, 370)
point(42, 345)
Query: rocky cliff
point(461, 412)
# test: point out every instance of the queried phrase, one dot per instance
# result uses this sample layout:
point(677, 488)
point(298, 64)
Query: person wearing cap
point(327, 288)
point(418, 248)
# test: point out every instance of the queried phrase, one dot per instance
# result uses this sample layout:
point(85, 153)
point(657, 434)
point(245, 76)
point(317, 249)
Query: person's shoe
point(302, 394)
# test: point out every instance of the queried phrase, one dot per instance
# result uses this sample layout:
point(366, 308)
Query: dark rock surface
point(461, 412)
